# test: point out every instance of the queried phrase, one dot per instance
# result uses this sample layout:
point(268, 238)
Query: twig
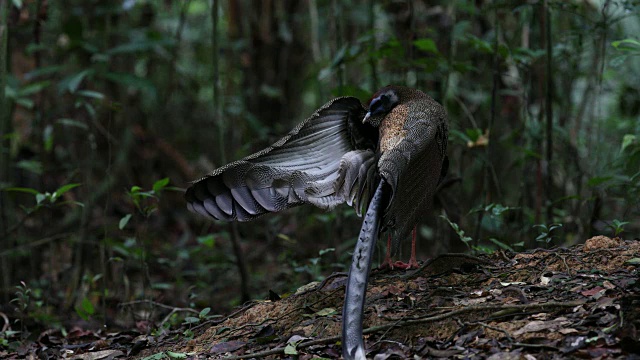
point(16, 226)
point(240, 261)
point(252, 324)
point(386, 327)
point(387, 331)
point(473, 259)
point(329, 295)
point(151, 302)
point(160, 305)
point(494, 328)
point(36, 243)
point(246, 307)
point(535, 346)
point(174, 311)
point(7, 323)
point(564, 261)
point(466, 111)
point(323, 283)
point(521, 295)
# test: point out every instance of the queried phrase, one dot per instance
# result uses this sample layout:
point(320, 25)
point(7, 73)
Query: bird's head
point(381, 103)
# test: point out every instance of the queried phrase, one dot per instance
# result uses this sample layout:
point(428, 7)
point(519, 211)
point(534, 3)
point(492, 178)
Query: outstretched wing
point(326, 160)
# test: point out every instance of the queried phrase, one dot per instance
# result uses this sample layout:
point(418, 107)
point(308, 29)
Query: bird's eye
point(386, 103)
point(383, 103)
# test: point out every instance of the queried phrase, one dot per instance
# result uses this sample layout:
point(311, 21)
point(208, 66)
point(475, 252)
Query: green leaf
point(160, 184)
point(40, 197)
point(503, 51)
point(33, 166)
point(461, 29)
point(426, 44)
point(33, 88)
point(458, 231)
point(46, 70)
point(339, 57)
point(473, 134)
point(619, 223)
point(290, 349)
point(479, 44)
point(24, 102)
point(139, 46)
point(64, 189)
point(204, 312)
point(157, 356)
point(324, 251)
point(133, 81)
point(176, 355)
point(22, 189)
point(74, 81)
point(124, 221)
point(87, 306)
point(554, 226)
point(618, 60)
point(162, 286)
point(497, 209)
point(627, 45)
point(595, 181)
point(627, 140)
point(47, 137)
point(457, 134)
point(207, 240)
point(191, 320)
point(501, 244)
point(72, 122)
point(91, 94)
point(326, 312)
point(634, 261)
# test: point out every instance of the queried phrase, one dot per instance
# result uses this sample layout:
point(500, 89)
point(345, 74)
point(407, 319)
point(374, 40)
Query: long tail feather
point(352, 311)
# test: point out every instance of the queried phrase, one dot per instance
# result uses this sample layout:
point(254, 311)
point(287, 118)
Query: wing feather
point(303, 167)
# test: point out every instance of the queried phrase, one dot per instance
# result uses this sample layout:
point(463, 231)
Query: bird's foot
point(412, 264)
point(386, 264)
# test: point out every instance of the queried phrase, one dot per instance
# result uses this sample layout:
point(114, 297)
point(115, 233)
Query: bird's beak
point(366, 117)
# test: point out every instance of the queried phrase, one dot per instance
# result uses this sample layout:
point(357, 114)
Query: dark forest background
point(110, 108)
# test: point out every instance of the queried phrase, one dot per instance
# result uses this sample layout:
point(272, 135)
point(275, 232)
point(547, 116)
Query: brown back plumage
point(413, 144)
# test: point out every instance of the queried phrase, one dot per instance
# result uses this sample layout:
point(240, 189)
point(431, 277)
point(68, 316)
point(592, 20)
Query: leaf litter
point(576, 302)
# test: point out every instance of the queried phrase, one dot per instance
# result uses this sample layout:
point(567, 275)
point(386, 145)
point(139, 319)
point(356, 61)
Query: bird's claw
point(412, 264)
point(388, 264)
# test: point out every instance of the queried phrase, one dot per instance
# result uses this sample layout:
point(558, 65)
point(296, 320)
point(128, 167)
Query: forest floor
point(577, 302)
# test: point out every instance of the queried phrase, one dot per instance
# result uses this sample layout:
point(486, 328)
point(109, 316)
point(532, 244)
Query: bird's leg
point(387, 263)
point(413, 263)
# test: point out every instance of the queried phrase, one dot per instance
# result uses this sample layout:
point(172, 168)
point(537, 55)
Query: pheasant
point(385, 160)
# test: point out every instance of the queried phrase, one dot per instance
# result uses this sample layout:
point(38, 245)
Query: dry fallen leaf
point(536, 326)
